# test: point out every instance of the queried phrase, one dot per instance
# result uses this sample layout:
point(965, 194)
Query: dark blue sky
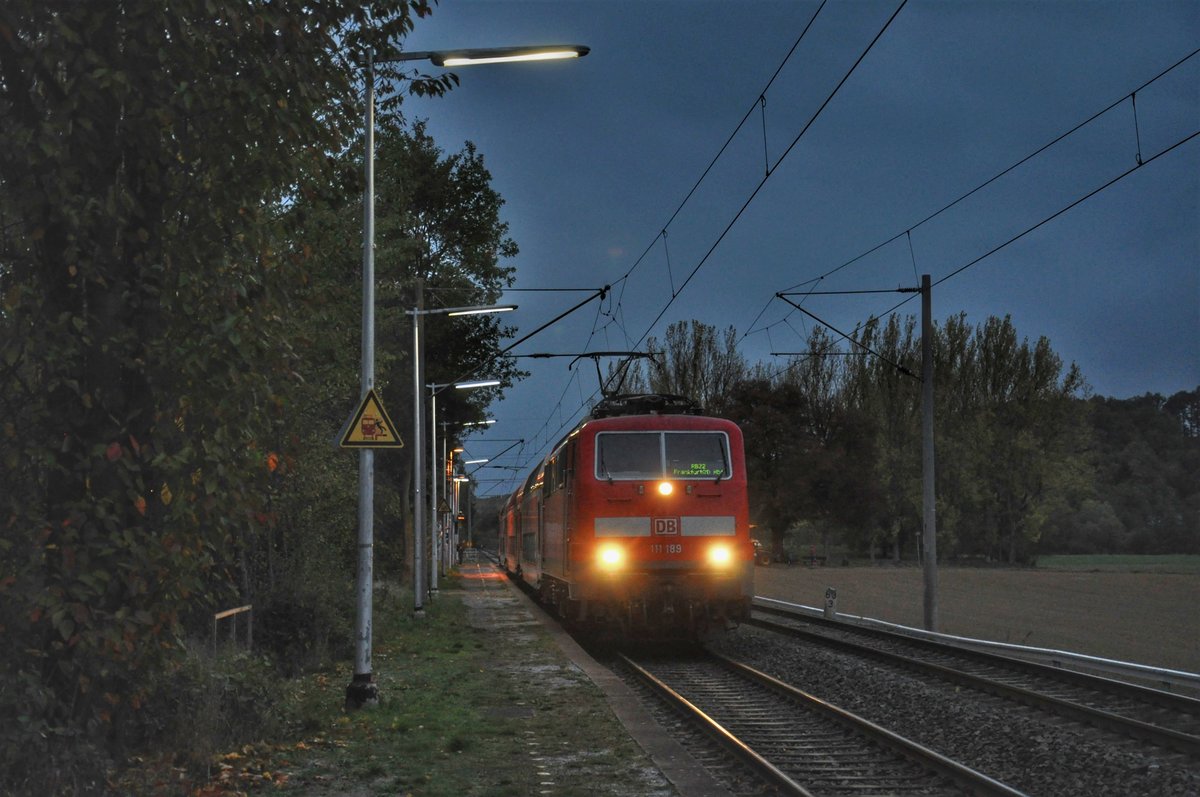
point(594, 158)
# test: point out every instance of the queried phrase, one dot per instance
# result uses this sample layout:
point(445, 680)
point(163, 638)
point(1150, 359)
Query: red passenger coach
point(638, 519)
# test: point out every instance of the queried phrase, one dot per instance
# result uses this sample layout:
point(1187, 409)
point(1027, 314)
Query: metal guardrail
point(1169, 680)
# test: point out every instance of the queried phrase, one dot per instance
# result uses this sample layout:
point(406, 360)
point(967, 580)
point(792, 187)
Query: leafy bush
point(209, 702)
point(304, 630)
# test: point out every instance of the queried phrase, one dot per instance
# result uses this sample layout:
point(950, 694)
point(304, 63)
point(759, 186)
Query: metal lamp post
point(445, 549)
point(362, 690)
point(435, 535)
point(418, 456)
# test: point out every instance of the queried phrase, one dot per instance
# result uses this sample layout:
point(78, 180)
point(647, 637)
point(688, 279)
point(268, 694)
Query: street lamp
point(434, 389)
point(417, 314)
point(362, 690)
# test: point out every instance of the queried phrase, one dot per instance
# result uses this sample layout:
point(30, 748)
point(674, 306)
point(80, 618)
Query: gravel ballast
point(1022, 747)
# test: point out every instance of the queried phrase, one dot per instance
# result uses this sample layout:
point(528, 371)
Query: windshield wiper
point(604, 467)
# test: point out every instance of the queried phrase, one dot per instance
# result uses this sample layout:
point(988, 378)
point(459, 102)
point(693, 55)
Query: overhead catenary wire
point(614, 314)
point(1131, 96)
point(1142, 162)
point(761, 183)
point(621, 282)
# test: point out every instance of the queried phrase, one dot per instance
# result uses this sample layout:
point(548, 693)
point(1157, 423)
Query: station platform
point(497, 605)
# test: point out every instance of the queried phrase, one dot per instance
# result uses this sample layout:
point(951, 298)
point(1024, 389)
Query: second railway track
point(1168, 720)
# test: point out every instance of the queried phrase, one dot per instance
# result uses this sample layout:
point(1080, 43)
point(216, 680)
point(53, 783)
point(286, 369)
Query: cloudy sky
point(837, 139)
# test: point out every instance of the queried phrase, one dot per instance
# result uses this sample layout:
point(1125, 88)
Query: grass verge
point(473, 702)
point(1122, 563)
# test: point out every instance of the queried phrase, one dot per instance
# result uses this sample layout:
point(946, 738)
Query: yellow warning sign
point(370, 426)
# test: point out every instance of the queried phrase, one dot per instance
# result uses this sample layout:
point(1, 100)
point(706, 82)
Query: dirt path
point(1149, 618)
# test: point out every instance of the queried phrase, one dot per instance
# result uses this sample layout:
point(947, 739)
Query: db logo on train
point(665, 525)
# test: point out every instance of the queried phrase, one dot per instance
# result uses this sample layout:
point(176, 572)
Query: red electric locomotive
point(638, 519)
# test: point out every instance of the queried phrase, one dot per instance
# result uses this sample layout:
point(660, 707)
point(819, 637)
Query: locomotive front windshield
point(662, 455)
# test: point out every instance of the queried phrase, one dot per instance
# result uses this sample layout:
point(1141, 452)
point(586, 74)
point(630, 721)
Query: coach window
point(554, 474)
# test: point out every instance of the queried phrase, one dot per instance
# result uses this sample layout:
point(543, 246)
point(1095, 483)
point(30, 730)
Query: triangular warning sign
point(370, 426)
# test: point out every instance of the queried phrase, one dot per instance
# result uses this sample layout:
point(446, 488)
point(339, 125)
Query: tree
point(1009, 434)
point(148, 152)
point(1185, 405)
point(1146, 461)
point(694, 362)
point(776, 452)
point(441, 225)
point(891, 397)
point(1035, 434)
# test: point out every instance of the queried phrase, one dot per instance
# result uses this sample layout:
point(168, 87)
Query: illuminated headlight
point(720, 555)
point(665, 488)
point(611, 557)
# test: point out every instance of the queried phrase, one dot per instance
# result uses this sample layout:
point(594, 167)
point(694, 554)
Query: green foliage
point(1122, 563)
point(693, 362)
point(1147, 455)
point(147, 371)
point(437, 222)
point(209, 701)
point(440, 224)
point(305, 627)
point(1025, 465)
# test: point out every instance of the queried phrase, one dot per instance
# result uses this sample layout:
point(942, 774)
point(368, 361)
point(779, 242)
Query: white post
point(418, 463)
point(362, 690)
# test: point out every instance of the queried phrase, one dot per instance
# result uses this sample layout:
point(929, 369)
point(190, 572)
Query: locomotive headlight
point(665, 488)
point(720, 555)
point(611, 557)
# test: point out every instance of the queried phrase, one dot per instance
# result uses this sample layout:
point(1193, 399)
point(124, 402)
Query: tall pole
point(418, 460)
point(470, 503)
point(928, 499)
point(442, 478)
point(362, 690)
point(435, 476)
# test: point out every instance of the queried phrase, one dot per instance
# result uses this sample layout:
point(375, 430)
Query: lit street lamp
point(435, 531)
point(417, 314)
point(362, 690)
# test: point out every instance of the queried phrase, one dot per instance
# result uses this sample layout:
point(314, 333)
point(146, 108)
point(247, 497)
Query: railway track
point(797, 743)
point(1162, 718)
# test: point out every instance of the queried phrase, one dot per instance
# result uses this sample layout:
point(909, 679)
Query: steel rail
point(972, 781)
point(729, 741)
point(1169, 681)
point(1156, 734)
point(935, 764)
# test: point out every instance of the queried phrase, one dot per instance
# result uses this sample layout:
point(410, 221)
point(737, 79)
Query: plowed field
point(1149, 618)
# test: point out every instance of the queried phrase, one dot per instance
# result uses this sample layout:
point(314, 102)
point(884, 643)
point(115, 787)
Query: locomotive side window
point(657, 455)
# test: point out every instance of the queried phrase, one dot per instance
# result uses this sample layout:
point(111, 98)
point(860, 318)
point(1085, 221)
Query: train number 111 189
point(668, 548)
